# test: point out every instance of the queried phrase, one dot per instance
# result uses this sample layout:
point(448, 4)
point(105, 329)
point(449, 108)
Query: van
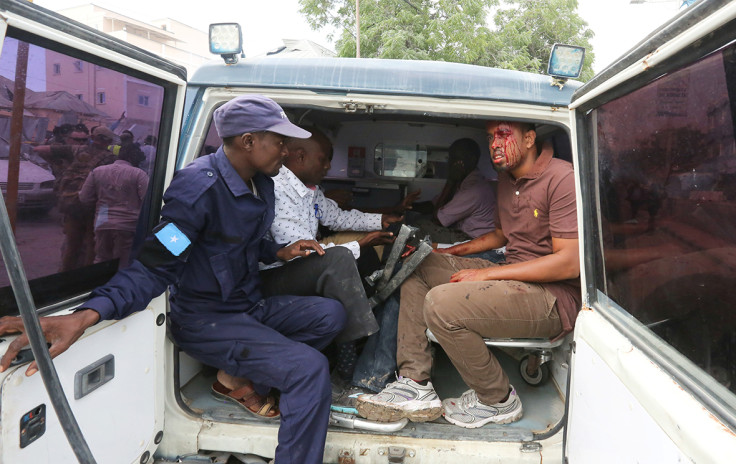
point(649, 373)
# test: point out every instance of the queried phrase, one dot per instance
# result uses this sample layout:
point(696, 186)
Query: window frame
point(714, 396)
point(150, 212)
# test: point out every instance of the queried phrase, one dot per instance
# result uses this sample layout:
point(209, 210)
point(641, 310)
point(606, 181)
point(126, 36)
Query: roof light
point(226, 40)
point(565, 62)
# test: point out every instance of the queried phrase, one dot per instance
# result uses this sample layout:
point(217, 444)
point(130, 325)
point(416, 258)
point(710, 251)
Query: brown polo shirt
point(533, 209)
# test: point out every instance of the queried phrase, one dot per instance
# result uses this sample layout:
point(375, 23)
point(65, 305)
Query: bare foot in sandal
point(241, 391)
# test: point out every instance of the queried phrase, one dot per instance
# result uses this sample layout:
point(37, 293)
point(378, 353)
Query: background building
point(166, 37)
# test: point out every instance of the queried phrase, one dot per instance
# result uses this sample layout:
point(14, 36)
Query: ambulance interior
point(379, 158)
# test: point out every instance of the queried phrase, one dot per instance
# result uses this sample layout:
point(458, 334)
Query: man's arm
point(488, 241)
point(468, 198)
point(562, 264)
point(338, 219)
point(130, 289)
point(60, 331)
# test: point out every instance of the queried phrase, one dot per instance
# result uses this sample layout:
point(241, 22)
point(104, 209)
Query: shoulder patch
point(173, 239)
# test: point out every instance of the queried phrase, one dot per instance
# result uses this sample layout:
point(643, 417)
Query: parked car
point(35, 184)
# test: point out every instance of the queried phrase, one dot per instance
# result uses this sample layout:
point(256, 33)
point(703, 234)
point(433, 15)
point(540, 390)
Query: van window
point(666, 163)
point(80, 185)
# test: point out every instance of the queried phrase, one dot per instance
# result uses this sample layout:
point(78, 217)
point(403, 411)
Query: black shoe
point(346, 402)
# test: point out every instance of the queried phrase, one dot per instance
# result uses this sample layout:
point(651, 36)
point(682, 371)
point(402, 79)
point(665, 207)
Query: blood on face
point(503, 138)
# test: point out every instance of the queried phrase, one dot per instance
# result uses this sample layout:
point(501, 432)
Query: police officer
point(208, 245)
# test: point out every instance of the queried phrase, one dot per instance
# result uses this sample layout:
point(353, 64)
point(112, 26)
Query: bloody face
point(505, 141)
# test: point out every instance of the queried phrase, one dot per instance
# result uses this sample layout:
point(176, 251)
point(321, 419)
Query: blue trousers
point(376, 365)
point(276, 343)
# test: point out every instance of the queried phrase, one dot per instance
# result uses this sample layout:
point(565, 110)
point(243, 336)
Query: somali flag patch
point(173, 239)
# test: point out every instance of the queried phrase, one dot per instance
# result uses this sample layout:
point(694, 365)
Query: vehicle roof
point(380, 76)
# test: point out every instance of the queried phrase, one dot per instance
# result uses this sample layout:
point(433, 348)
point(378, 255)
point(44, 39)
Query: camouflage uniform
point(78, 247)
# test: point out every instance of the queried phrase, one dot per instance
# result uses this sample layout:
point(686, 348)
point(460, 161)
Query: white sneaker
point(467, 411)
point(401, 399)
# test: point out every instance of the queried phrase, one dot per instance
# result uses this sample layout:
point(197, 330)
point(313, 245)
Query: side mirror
point(565, 62)
point(226, 40)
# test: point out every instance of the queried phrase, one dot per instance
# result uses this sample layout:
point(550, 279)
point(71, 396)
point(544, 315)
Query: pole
point(16, 132)
point(357, 28)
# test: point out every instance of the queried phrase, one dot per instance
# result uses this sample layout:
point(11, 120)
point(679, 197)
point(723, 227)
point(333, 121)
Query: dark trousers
point(277, 343)
point(333, 275)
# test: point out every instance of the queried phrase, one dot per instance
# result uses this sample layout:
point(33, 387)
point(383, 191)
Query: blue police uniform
point(207, 248)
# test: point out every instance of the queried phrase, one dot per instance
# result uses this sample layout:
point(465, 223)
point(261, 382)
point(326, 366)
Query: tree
point(455, 30)
point(527, 29)
point(446, 30)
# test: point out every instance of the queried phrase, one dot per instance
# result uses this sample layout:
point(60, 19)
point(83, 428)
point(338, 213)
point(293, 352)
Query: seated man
point(207, 246)
point(466, 206)
point(462, 300)
point(300, 208)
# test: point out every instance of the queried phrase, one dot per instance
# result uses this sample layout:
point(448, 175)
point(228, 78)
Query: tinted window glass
point(77, 181)
point(667, 183)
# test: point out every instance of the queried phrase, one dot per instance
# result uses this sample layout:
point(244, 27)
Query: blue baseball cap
point(254, 113)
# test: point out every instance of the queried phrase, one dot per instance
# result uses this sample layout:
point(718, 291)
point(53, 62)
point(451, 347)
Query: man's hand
point(60, 331)
point(376, 238)
point(408, 201)
point(388, 219)
point(470, 275)
point(299, 248)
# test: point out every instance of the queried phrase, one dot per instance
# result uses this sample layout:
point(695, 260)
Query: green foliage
point(455, 30)
point(527, 30)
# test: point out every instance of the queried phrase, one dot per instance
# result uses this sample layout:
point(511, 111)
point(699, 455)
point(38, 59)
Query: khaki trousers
point(460, 314)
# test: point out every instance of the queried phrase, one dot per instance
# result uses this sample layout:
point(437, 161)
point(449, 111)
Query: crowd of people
point(101, 182)
point(257, 296)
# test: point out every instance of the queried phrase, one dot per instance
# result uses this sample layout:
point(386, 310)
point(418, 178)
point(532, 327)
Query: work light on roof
point(566, 61)
point(226, 40)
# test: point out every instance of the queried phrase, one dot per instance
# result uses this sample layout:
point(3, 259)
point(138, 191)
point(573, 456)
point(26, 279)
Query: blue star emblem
point(173, 239)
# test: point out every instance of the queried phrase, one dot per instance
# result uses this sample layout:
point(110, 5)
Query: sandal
point(246, 396)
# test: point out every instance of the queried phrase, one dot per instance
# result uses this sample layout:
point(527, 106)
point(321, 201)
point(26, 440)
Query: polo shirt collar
point(540, 165)
point(229, 175)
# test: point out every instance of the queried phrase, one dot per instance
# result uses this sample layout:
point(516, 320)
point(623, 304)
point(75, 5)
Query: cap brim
point(290, 130)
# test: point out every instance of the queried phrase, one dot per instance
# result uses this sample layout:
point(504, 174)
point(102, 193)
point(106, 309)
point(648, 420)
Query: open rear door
point(64, 87)
point(653, 368)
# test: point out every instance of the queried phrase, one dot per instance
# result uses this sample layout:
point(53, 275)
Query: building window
point(78, 66)
point(57, 69)
point(101, 98)
point(80, 96)
point(143, 100)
